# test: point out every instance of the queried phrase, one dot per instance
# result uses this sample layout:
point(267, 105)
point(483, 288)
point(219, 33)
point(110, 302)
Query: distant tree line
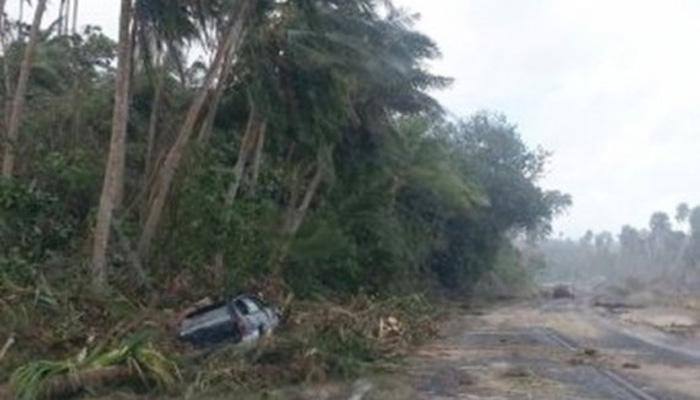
point(662, 250)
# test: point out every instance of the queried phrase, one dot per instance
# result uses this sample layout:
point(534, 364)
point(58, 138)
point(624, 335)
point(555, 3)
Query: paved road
point(554, 350)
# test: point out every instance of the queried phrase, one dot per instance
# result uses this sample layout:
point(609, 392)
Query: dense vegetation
point(658, 253)
point(221, 146)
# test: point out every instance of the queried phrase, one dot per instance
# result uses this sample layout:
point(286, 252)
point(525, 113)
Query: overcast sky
point(612, 87)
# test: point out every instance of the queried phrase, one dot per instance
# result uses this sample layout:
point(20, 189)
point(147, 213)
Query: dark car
point(243, 318)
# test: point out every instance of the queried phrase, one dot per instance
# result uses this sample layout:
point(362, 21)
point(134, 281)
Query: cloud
point(612, 87)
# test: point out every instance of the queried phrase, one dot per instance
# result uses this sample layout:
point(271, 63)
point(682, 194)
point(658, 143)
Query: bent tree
point(228, 46)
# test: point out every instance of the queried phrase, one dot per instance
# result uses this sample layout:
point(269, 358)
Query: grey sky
point(611, 86)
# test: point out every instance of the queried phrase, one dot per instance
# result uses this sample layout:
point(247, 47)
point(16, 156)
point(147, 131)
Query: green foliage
point(32, 380)
point(33, 224)
point(515, 270)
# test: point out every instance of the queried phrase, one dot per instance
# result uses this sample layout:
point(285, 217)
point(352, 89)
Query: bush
point(33, 224)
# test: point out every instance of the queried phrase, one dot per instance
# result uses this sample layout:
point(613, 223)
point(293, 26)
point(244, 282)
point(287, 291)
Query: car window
point(258, 301)
point(252, 306)
point(242, 307)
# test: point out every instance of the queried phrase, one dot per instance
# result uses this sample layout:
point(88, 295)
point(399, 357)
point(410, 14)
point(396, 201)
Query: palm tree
point(682, 213)
point(114, 173)
point(6, 75)
point(76, 8)
point(163, 29)
point(12, 135)
point(228, 46)
point(339, 72)
point(2, 17)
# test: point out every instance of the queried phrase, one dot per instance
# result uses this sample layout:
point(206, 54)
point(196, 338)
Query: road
point(543, 350)
point(563, 349)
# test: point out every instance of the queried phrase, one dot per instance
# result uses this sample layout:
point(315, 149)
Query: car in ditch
point(240, 319)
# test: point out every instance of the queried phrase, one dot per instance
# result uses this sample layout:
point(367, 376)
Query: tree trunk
point(20, 18)
point(257, 159)
point(62, 17)
point(75, 17)
point(2, 15)
point(114, 174)
point(254, 131)
point(6, 101)
point(76, 113)
point(2, 26)
point(8, 161)
point(153, 122)
point(206, 129)
point(297, 214)
point(248, 143)
point(230, 45)
point(131, 255)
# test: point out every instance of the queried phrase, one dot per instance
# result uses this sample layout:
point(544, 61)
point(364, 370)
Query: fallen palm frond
point(134, 358)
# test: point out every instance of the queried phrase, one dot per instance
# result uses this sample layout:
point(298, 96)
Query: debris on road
point(242, 319)
point(629, 365)
point(590, 352)
point(563, 292)
point(518, 371)
point(585, 356)
point(557, 291)
point(615, 306)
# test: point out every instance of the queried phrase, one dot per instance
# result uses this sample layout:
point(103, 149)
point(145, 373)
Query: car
point(240, 319)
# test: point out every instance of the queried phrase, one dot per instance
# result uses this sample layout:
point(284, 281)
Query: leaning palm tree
point(228, 45)
point(12, 135)
point(335, 69)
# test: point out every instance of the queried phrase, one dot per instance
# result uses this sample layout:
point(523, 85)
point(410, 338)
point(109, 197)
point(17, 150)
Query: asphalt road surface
point(563, 349)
